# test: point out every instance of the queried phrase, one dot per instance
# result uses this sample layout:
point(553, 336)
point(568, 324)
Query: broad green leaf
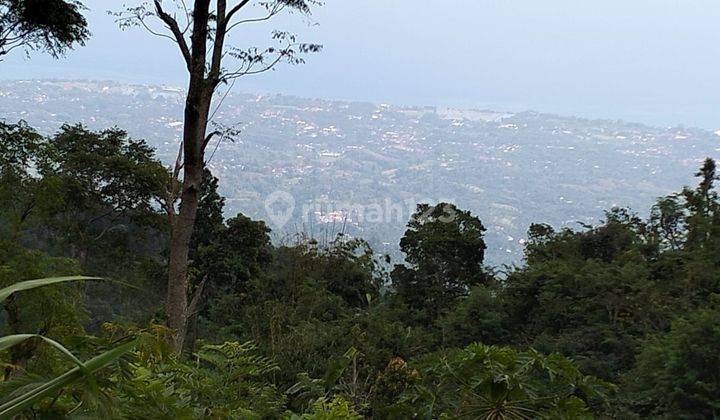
point(32, 284)
point(13, 340)
point(23, 402)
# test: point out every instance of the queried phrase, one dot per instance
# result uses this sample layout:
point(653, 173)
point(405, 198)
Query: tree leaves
point(51, 25)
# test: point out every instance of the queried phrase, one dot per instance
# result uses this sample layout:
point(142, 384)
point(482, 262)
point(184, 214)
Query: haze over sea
point(651, 61)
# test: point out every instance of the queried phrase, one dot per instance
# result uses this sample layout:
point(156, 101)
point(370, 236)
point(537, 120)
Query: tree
point(238, 253)
point(90, 196)
point(80, 183)
point(478, 317)
point(210, 220)
point(677, 372)
point(50, 25)
point(103, 179)
point(18, 150)
point(351, 271)
point(445, 249)
point(702, 206)
point(210, 23)
point(590, 294)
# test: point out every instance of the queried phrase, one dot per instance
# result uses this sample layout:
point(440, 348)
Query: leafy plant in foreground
point(489, 382)
point(24, 398)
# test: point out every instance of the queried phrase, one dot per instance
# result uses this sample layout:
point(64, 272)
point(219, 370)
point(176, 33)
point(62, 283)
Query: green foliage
point(210, 220)
point(676, 374)
point(591, 295)
point(32, 284)
point(24, 398)
point(50, 311)
point(223, 381)
point(445, 249)
point(50, 25)
point(337, 408)
point(487, 382)
point(13, 340)
point(309, 390)
point(326, 330)
point(481, 316)
point(90, 197)
point(16, 404)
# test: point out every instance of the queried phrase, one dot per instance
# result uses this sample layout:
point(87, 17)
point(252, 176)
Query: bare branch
point(192, 308)
point(177, 33)
point(178, 161)
point(208, 138)
point(229, 133)
point(277, 9)
point(235, 9)
point(254, 61)
point(217, 54)
point(187, 16)
point(154, 32)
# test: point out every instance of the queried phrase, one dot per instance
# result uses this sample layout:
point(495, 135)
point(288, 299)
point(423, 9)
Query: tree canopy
point(52, 26)
point(616, 320)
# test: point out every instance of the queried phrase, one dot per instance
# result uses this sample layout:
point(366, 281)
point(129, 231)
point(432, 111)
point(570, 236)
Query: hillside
point(364, 166)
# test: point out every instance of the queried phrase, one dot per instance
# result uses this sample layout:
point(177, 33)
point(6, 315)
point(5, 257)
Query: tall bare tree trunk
point(197, 107)
point(206, 73)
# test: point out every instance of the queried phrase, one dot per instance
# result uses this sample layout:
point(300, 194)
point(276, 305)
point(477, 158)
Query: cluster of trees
point(619, 319)
point(615, 320)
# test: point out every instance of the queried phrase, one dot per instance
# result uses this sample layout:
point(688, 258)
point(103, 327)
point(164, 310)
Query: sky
point(650, 61)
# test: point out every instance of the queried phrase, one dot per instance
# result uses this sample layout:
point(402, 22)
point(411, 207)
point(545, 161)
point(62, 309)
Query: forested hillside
point(619, 319)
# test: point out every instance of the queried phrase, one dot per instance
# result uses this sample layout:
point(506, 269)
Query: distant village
point(510, 169)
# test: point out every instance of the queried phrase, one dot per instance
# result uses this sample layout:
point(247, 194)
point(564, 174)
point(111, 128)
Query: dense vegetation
point(616, 320)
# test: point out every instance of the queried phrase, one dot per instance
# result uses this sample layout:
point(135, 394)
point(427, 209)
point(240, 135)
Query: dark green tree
point(53, 26)
point(444, 249)
point(210, 220)
point(237, 254)
point(104, 184)
point(591, 295)
point(18, 152)
point(677, 372)
point(703, 218)
point(479, 317)
point(89, 196)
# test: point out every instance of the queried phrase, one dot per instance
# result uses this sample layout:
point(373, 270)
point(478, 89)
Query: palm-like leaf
point(32, 284)
point(13, 340)
point(26, 400)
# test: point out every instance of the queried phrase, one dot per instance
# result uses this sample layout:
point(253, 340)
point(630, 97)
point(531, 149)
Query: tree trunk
point(197, 109)
point(196, 118)
point(181, 233)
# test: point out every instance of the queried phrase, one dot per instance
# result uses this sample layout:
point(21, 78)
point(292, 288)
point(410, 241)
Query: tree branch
point(177, 33)
point(272, 13)
point(235, 9)
point(216, 60)
point(208, 138)
point(240, 72)
point(195, 301)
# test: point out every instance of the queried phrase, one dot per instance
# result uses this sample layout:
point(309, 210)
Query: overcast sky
point(654, 61)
